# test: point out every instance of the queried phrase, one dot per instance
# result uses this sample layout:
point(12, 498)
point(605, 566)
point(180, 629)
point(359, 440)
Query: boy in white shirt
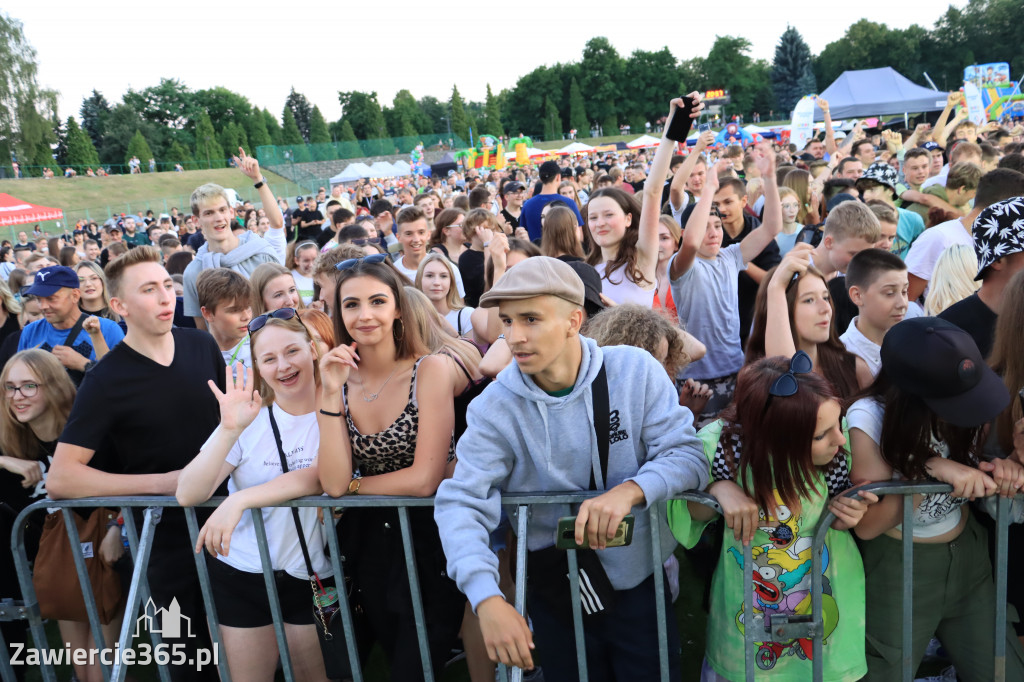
point(224, 299)
point(877, 282)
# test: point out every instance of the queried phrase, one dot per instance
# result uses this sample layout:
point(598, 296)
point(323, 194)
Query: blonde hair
point(852, 220)
point(799, 181)
point(435, 334)
point(673, 228)
point(10, 303)
point(205, 193)
point(952, 279)
point(116, 268)
point(260, 278)
point(295, 325)
point(98, 271)
point(17, 438)
point(452, 299)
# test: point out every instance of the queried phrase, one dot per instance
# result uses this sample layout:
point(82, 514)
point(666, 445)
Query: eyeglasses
point(88, 280)
point(258, 323)
point(351, 262)
point(787, 385)
point(28, 390)
point(363, 241)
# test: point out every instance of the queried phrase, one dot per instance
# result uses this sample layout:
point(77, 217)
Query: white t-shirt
point(240, 354)
point(411, 274)
point(256, 460)
point(304, 285)
point(927, 248)
point(863, 347)
point(936, 514)
point(461, 320)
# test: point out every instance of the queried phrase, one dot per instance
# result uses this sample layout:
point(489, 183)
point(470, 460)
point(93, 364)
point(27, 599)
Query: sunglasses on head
point(786, 384)
point(351, 262)
point(258, 323)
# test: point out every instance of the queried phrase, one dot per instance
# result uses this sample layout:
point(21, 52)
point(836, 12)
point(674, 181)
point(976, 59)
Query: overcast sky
point(261, 49)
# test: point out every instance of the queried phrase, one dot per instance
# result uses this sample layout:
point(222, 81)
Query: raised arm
point(696, 227)
point(940, 124)
point(251, 168)
point(778, 336)
point(830, 136)
point(763, 235)
point(677, 189)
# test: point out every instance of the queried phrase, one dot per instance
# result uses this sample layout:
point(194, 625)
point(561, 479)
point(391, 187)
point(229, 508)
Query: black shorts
point(242, 602)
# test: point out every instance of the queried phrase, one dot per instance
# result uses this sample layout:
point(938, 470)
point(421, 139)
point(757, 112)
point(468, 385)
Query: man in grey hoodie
point(532, 430)
point(223, 248)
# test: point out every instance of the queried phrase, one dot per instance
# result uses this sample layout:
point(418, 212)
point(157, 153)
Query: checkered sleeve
point(720, 469)
point(837, 476)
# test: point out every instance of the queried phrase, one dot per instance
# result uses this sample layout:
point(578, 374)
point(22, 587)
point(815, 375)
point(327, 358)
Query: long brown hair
point(1006, 358)
point(626, 258)
point(776, 433)
point(17, 438)
point(408, 343)
point(838, 365)
point(559, 235)
point(442, 221)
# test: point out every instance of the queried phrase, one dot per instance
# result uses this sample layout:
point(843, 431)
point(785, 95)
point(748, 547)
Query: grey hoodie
point(520, 439)
point(251, 252)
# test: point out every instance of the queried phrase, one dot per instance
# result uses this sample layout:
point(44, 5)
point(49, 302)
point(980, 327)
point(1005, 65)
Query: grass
point(96, 198)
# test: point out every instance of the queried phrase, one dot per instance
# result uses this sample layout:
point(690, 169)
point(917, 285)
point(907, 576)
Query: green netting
point(271, 155)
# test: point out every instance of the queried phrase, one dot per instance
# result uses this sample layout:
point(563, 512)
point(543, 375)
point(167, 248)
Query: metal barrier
point(140, 545)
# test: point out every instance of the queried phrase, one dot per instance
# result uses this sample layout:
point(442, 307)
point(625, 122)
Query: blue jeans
point(622, 644)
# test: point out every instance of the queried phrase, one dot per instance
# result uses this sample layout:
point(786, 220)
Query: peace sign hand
point(240, 404)
point(248, 165)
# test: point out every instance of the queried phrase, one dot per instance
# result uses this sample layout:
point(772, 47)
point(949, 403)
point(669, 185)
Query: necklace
point(370, 397)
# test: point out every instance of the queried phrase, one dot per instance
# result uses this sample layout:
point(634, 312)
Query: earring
point(398, 330)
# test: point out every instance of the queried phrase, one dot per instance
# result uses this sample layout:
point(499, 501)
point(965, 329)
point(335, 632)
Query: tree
point(273, 127)
point(602, 71)
point(138, 147)
point(552, 124)
point(60, 150)
point(318, 128)
point(120, 126)
point(728, 65)
point(363, 113)
point(223, 106)
point(434, 114)
point(527, 105)
point(492, 115)
point(209, 153)
point(290, 134)
point(228, 138)
point(94, 112)
point(178, 154)
point(460, 124)
point(792, 74)
point(577, 110)
point(80, 149)
point(170, 104)
point(652, 81)
point(349, 148)
point(26, 109)
point(257, 131)
point(301, 110)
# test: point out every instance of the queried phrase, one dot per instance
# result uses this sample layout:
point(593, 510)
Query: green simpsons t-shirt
point(782, 580)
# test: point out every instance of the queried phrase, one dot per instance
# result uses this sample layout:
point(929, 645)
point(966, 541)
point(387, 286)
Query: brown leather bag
point(55, 578)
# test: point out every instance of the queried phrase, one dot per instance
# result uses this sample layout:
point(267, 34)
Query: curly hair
point(630, 324)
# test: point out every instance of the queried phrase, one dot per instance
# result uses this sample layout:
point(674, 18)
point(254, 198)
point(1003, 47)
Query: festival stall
point(871, 92)
point(17, 212)
point(352, 172)
point(575, 148)
point(644, 141)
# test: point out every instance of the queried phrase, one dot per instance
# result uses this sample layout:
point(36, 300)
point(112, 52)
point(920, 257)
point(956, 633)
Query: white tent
point(576, 148)
point(644, 141)
point(402, 168)
point(383, 169)
point(756, 130)
point(353, 172)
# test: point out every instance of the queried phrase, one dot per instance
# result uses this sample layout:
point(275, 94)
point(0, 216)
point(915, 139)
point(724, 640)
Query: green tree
point(243, 141)
point(138, 147)
point(26, 110)
point(223, 106)
point(363, 113)
point(602, 81)
point(578, 110)
point(526, 105)
point(653, 80)
point(729, 66)
point(318, 128)
point(229, 139)
point(349, 143)
point(460, 124)
point(170, 104)
point(407, 118)
point(176, 153)
point(870, 45)
point(302, 111)
point(792, 74)
point(60, 149)
point(209, 153)
point(80, 149)
point(273, 127)
point(492, 115)
point(94, 112)
point(290, 134)
point(552, 124)
point(257, 131)
point(120, 126)
point(434, 114)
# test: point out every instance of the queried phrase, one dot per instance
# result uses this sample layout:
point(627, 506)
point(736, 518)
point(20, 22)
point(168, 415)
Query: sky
point(262, 49)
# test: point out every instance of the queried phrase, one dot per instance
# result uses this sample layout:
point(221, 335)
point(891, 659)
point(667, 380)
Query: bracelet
point(330, 414)
point(260, 183)
point(486, 244)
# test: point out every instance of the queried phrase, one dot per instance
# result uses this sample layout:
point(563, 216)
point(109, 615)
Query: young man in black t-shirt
point(122, 410)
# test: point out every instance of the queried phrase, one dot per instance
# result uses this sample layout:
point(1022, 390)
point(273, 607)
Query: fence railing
point(140, 546)
point(275, 155)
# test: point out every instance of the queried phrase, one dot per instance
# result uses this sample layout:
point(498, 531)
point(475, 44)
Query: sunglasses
point(258, 323)
point(361, 241)
point(786, 384)
point(352, 262)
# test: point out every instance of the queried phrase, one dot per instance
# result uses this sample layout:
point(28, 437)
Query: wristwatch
point(260, 183)
point(353, 487)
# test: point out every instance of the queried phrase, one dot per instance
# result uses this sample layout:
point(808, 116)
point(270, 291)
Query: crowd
point(771, 324)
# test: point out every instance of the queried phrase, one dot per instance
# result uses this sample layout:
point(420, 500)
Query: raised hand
point(248, 165)
point(336, 366)
point(893, 141)
point(795, 263)
point(705, 140)
point(240, 404)
point(711, 179)
point(823, 105)
point(953, 99)
point(91, 325)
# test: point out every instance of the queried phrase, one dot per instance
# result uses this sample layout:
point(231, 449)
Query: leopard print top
point(393, 448)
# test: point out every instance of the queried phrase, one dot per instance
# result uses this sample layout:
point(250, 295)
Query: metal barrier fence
point(275, 155)
point(779, 628)
point(114, 168)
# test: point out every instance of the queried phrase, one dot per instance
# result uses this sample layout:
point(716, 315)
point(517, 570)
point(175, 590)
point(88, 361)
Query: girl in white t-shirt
point(434, 278)
point(273, 287)
point(245, 451)
point(923, 418)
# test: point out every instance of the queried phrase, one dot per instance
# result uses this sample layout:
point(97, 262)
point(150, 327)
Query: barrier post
point(1002, 540)
point(414, 592)
point(908, 589)
point(345, 608)
point(275, 605)
point(207, 590)
point(141, 549)
point(86, 584)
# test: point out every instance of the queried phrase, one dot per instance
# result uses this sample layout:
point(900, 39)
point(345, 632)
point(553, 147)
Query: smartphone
point(681, 122)
point(703, 128)
point(565, 536)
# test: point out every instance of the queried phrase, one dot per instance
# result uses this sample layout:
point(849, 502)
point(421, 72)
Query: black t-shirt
point(471, 267)
point(9, 327)
point(509, 218)
point(768, 258)
point(312, 231)
point(975, 318)
point(13, 495)
point(147, 418)
point(846, 310)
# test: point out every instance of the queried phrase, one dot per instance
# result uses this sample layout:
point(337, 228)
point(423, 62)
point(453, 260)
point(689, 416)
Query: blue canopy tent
point(874, 92)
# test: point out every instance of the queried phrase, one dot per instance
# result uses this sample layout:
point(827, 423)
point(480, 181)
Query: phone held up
point(565, 535)
point(703, 128)
point(679, 126)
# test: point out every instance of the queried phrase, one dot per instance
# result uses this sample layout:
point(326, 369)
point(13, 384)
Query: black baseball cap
point(939, 363)
point(592, 302)
point(548, 170)
point(566, 172)
point(511, 187)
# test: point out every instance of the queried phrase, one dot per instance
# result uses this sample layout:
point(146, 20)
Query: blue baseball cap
point(49, 280)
